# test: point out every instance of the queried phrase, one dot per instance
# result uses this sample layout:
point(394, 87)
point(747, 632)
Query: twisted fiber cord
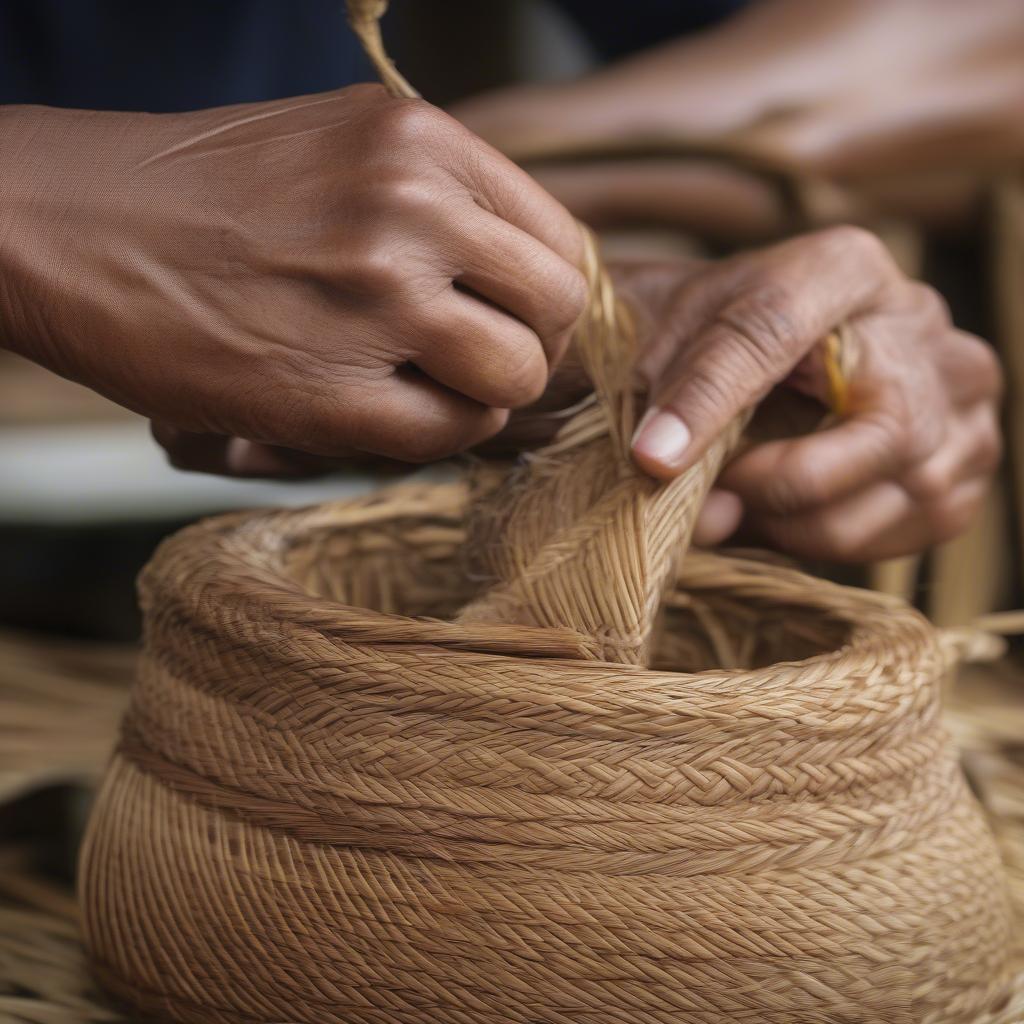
point(395, 813)
point(726, 760)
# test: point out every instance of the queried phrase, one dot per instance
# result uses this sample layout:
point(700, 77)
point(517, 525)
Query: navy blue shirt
point(169, 55)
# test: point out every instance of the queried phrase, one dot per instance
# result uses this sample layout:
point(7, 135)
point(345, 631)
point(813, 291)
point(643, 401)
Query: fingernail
point(662, 437)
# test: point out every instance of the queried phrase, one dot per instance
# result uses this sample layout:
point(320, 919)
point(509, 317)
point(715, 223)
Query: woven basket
point(42, 975)
point(357, 784)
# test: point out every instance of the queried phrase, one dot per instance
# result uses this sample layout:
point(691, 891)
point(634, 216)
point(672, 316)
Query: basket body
point(322, 810)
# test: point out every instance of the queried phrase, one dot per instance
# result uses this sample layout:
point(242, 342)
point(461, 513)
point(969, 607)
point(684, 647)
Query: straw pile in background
point(60, 702)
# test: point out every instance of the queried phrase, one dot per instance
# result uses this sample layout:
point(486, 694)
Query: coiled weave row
point(304, 823)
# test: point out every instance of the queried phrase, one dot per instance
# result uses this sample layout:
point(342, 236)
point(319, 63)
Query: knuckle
point(407, 122)
point(320, 425)
point(358, 425)
point(574, 292)
point(951, 518)
point(783, 496)
point(834, 538)
point(707, 398)
point(375, 271)
point(931, 482)
point(981, 361)
point(989, 450)
point(763, 330)
point(901, 433)
point(408, 194)
point(524, 377)
point(922, 439)
point(890, 446)
point(852, 238)
point(802, 484)
point(929, 303)
point(448, 433)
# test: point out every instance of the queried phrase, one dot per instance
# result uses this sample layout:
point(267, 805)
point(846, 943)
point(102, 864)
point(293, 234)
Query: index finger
point(793, 295)
point(506, 190)
point(785, 477)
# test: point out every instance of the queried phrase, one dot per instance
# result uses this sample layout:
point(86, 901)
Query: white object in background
point(108, 472)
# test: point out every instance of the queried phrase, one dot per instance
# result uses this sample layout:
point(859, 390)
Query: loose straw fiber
point(358, 784)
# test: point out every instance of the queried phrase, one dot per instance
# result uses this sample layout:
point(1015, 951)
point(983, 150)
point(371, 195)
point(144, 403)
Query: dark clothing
point(167, 55)
point(615, 29)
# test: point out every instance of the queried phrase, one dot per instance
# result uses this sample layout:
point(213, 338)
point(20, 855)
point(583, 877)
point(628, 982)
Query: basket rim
point(235, 563)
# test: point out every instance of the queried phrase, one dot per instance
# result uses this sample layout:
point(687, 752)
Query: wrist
point(22, 163)
point(56, 170)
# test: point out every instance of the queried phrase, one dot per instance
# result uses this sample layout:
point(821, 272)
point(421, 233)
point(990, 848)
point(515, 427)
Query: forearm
point(58, 170)
point(25, 169)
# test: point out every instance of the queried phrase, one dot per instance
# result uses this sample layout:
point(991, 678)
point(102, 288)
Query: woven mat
point(42, 972)
point(59, 706)
point(60, 703)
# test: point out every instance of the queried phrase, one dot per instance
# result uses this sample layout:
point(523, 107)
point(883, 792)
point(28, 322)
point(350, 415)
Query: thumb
point(728, 367)
point(796, 293)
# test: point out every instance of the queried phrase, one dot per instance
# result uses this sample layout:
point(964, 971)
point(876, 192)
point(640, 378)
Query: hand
point(868, 92)
point(333, 274)
point(910, 464)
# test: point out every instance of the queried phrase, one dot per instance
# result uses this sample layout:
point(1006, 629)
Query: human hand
point(333, 274)
point(866, 92)
point(905, 469)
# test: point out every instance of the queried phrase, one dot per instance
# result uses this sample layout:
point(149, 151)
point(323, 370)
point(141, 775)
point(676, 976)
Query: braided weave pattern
point(577, 537)
point(320, 812)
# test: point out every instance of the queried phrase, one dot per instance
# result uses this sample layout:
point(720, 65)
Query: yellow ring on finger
point(836, 371)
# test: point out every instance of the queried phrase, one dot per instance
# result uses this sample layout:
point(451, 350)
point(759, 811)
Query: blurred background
point(674, 128)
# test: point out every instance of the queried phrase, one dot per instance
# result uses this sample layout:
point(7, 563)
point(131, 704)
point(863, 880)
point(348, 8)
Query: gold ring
point(836, 356)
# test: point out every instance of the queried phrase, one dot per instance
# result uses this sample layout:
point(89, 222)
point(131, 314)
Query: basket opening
point(414, 566)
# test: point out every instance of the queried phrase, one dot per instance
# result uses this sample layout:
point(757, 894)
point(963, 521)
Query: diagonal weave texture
point(577, 537)
point(42, 972)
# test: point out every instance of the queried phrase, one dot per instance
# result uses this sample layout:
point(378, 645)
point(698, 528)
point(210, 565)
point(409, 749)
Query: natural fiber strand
point(60, 703)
